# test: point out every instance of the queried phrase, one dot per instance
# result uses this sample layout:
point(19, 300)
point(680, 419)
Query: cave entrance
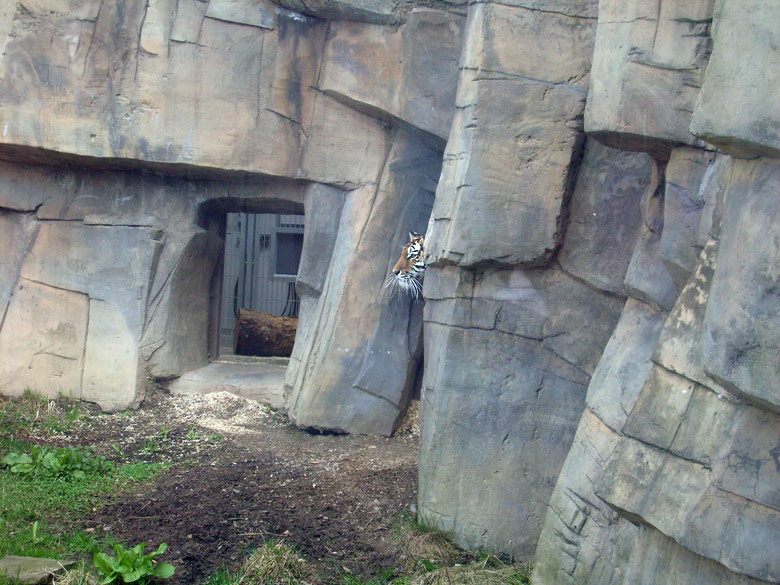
point(260, 261)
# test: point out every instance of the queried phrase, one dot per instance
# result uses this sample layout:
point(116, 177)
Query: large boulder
point(508, 357)
point(736, 110)
point(605, 216)
point(355, 369)
point(409, 72)
point(648, 65)
point(740, 330)
point(515, 140)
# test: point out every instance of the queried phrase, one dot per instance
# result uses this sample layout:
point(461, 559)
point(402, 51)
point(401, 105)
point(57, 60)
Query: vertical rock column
point(672, 477)
point(354, 366)
point(511, 336)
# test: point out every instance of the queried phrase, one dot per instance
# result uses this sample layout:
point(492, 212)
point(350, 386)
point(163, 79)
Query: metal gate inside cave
point(262, 253)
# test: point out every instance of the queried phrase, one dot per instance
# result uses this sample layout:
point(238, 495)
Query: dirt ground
point(241, 473)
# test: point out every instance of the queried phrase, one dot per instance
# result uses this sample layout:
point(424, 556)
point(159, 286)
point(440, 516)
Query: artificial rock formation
point(599, 332)
point(153, 120)
point(682, 400)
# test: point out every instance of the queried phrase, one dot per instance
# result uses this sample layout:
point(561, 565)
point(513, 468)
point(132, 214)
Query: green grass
point(34, 510)
point(38, 512)
point(219, 578)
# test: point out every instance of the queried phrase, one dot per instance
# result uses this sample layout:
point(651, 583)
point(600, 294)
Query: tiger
point(409, 271)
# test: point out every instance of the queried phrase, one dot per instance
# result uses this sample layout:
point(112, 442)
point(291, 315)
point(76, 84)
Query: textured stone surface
point(490, 182)
point(679, 347)
point(370, 11)
point(339, 383)
point(531, 346)
point(409, 72)
point(31, 570)
point(625, 364)
point(648, 65)
point(17, 231)
point(605, 217)
point(177, 320)
point(323, 207)
point(736, 110)
point(182, 84)
point(693, 178)
point(676, 497)
point(584, 540)
point(508, 160)
point(42, 341)
point(659, 559)
point(647, 277)
point(741, 337)
point(658, 411)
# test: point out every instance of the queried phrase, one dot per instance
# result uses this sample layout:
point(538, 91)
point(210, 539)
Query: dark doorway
point(262, 253)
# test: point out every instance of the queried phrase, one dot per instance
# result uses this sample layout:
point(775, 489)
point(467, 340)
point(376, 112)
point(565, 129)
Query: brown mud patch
point(242, 474)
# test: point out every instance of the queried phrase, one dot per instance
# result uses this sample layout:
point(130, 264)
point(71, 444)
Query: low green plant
point(221, 577)
point(132, 565)
point(194, 435)
point(58, 506)
point(150, 447)
point(63, 462)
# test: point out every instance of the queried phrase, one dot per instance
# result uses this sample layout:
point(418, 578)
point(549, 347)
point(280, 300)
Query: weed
point(489, 571)
point(425, 549)
point(150, 447)
point(74, 415)
point(64, 462)
point(194, 435)
point(132, 565)
point(118, 450)
point(385, 577)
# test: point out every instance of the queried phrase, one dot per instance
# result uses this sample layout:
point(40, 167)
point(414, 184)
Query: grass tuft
point(80, 575)
point(425, 549)
point(488, 571)
point(275, 562)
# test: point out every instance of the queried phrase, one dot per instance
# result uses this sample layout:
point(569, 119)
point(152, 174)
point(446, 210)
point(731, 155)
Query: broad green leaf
point(138, 550)
point(132, 576)
point(125, 567)
point(104, 563)
point(22, 468)
point(160, 550)
point(164, 570)
point(16, 459)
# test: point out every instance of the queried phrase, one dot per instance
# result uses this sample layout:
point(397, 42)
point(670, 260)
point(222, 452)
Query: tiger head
point(408, 272)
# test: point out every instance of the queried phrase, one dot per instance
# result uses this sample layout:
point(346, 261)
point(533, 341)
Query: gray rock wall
point(105, 277)
point(668, 479)
point(357, 372)
point(530, 255)
point(234, 106)
point(600, 323)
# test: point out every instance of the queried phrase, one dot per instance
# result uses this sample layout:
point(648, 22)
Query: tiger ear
point(413, 235)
